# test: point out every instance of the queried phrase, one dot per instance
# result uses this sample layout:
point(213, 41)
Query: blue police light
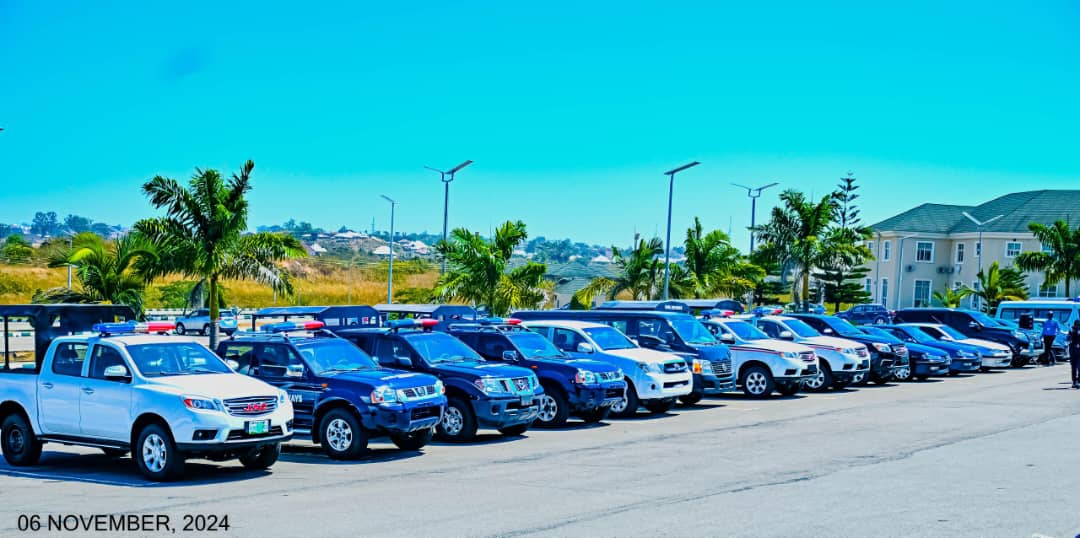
point(293, 326)
point(407, 323)
point(133, 327)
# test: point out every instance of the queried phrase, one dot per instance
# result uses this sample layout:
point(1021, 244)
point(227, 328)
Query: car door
point(567, 340)
point(277, 365)
point(59, 390)
point(105, 404)
point(770, 328)
point(390, 352)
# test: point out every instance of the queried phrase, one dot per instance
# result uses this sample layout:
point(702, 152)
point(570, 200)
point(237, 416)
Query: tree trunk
point(215, 312)
point(806, 288)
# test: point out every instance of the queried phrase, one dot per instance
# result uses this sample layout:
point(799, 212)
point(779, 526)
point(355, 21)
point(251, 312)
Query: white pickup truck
point(763, 364)
point(162, 398)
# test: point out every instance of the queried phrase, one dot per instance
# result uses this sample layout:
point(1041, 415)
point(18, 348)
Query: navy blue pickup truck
point(340, 396)
point(581, 387)
point(480, 393)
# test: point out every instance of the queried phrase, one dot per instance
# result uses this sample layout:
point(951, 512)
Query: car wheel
point(659, 407)
point(18, 442)
point(114, 452)
point(823, 380)
point(156, 455)
point(205, 330)
point(413, 440)
point(628, 406)
point(261, 458)
point(882, 379)
point(903, 374)
point(180, 329)
point(595, 415)
point(757, 382)
point(692, 398)
point(342, 435)
point(511, 431)
point(458, 423)
point(879, 321)
point(789, 389)
point(554, 408)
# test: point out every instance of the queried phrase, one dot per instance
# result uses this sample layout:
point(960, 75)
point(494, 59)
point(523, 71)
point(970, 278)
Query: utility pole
point(667, 243)
point(754, 193)
point(447, 178)
point(390, 275)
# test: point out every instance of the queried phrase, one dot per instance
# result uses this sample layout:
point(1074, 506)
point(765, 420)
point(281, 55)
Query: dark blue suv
point(479, 393)
point(867, 314)
point(581, 387)
point(340, 396)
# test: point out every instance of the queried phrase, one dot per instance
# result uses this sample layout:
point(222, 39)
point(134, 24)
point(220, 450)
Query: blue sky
point(571, 110)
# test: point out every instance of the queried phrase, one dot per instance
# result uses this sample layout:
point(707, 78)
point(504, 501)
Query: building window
point(870, 246)
point(975, 298)
point(886, 250)
point(1012, 249)
point(959, 253)
point(884, 292)
point(869, 287)
point(922, 293)
point(1048, 290)
point(924, 251)
point(978, 250)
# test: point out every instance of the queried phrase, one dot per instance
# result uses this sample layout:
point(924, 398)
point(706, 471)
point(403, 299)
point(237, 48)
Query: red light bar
point(429, 323)
point(513, 321)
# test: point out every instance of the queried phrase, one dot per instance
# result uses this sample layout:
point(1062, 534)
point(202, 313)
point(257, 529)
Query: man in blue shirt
point(1050, 331)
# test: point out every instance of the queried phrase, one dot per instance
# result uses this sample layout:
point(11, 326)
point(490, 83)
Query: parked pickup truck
point(762, 364)
point(341, 396)
point(581, 387)
point(479, 393)
point(841, 361)
point(163, 398)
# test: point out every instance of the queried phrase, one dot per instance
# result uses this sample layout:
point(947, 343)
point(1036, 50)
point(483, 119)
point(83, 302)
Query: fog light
point(790, 372)
point(204, 435)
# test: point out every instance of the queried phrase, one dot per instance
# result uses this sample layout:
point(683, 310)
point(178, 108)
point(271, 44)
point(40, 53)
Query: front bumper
point(659, 386)
point(220, 432)
point(713, 384)
point(966, 364)
point(504, 412)
point(589, 397)
point(930, 368)
point(998, 361)
point(799, 375)
point(405, 417)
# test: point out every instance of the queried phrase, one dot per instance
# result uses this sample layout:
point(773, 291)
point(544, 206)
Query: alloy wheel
point(452, 421)
point(755, 383)
point(548, 408)
point(339, 435)
point(154, 453)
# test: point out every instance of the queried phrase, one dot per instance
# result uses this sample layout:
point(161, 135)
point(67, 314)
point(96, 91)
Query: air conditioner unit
point(910, 268)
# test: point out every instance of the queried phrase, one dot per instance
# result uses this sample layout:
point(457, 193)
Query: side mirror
point(233, 365)
point(403, 361)
point(786, 335)
point(510, 355)
point(649, 341)
point(727, 338)
point(975, 325)
point(826, 330)
point(294, 370)
point(585, 347)
point(117, 373)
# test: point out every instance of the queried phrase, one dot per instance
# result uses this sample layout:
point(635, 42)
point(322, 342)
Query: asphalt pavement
point(995, 454)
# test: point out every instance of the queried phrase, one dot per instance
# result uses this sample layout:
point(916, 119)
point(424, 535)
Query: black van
point(976, 324)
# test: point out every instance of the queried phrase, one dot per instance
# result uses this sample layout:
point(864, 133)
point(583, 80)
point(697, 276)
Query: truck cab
point(841, 361)
point(886, 355)
point(764, 364)
point(480, 393)
point(131, 388)
point(580, 387)
point(341, 397)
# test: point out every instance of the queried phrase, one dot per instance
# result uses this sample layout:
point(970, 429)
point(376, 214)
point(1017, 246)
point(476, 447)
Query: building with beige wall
point(933, 247)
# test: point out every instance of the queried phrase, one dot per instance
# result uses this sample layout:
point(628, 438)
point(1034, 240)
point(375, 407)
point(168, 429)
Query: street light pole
point(390, 274)
point(979, 226)
point(443, 176)
point(754, 193)
point(667, 243)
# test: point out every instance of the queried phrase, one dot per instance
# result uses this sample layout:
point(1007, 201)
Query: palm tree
point(202, 235)
point(1060, 258)
point(479, 270)
point(640, 275)
point(116, 272)
point(795, 233)
point(714, 267)
point(951, 298)
point(997, 284)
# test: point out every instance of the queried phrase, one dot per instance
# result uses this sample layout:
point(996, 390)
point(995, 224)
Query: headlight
point(383, 394)
point(200, 403)
point(850, 351)
point(791, 355)
point(882, 348)
point(584, 377)
point(282, 397)
point(1020, 336)
point(491, 385)
point(619, 375)
point(439, 387)
point(650, 367)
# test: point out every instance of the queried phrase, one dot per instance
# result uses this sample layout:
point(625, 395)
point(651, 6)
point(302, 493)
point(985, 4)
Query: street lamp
point(754, 194)
point(390, 276)
point(979, 226)
point(443, 176)
point(667, 244)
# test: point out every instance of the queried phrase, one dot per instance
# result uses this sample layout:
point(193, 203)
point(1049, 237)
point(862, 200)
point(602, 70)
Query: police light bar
point(293, 326)
point(513, 321)
point(410, 323)
point(133, 327)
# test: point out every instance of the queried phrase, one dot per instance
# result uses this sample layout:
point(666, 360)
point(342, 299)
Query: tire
point(156, 456)
point(413, 441)
point(904, 377)
point(630, 404)
point(554, 409)
point(881, 380)
point(261, 458)
point(789, 389)
point(659, 407)
point(593, 416)
point(180, 329)
point(823, 381)
point(342, 435)
point(879, 321)
point(21, 447)
point(511, 431)
point(205, 330)
point(458, 423)
point(757, 382)
point(692, 398)
point(114, 452)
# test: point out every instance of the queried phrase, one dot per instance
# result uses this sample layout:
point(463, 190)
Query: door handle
point(47, 385)
point(88, 390)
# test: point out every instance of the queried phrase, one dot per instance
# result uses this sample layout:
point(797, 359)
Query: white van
point(1066, 311)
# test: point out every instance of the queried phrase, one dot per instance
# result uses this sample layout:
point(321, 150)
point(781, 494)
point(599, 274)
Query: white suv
point(842, 361)
point(763, 364)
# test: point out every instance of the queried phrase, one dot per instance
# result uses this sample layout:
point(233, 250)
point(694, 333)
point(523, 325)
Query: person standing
point(1050, 330)
point(1074, 353)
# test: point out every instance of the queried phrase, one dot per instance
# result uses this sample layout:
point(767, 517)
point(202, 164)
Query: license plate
point(526, 400)
point(256, 427)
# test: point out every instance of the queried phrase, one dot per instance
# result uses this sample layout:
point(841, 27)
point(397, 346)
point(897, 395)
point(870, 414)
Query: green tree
point(16, 249)
point(77, 224)
point(45, 223)
point(951, 298)
point(997, 284)
point(794, 236)
point(202, 235)
point(1060, 258)
point(640, 273)
point(714, 267)
point(479, 270)
point(115, 272)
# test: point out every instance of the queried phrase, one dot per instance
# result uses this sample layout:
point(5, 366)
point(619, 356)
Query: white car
point(993, 354)
point(841, 361)
point(654, 379)
point(763, 364)
point(162, 398)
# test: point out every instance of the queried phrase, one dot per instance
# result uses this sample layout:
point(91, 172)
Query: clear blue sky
point(571, 110)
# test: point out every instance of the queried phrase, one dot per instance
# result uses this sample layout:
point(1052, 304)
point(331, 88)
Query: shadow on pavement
point(313, 454)
point(101, 469)
point(485, 439)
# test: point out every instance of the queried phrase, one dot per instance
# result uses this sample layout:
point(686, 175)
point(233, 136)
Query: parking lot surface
point(982, 455)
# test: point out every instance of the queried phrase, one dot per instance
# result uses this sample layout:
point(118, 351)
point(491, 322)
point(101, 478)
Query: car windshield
point(745, 331)
point(608, 338)
point(692, 331)
point(534, 346)
point(883, 334)
point(843, 327)
point(800, 328)
point(953, 333)
point(176, 358)
point(440, 348)
point(334, 355)
point(983, 319)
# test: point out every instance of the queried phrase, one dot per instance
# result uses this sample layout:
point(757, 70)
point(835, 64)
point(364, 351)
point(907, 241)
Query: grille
point(806, 356)
point(416, 393)
point(250, 407)
point(425, 412)
point(520, 384)
point(674, 367)
point(862, 352)
point(238, 435)
point(721, 367)
point(607, 376)
point(613, 393)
